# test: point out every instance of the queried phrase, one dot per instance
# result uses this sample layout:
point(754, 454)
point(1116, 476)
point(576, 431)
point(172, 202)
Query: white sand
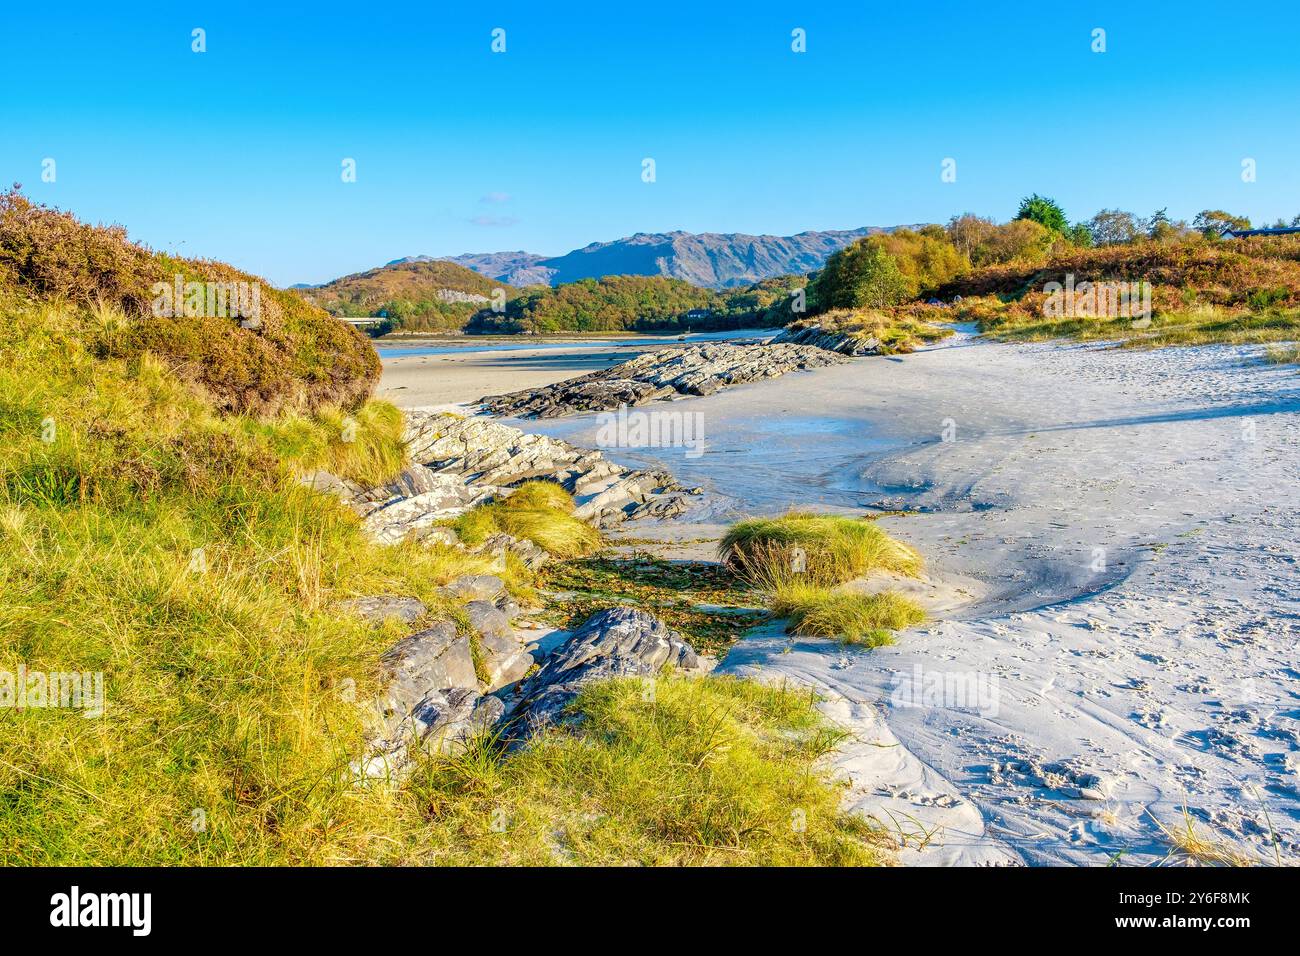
point(415, 381)
point(1123, 524)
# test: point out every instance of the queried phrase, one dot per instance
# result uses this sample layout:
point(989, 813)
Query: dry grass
point(540, 511)
point(825, 549)
point(867, 619)
point(1189, 846)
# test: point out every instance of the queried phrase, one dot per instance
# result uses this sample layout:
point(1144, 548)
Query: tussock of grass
point(1190, 846)
point(540, 511)
point(866, 619)
point(1282, 354)
point(541, 494)
point(703, 771)
point(832, 549)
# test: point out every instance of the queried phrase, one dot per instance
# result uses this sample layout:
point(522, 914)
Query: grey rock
point(615, 642)
point(332, 484)
point(430, 701)
point(487, 620)
point(433, 659)
point(506, 660)
point(667, 373)
point(844, 343)
point(490, 454)
point(476, 587)
point(434, 534)
point(440, 723)
point(459, 463)
point(530, 554)
point(381, 607)
point(390, 514)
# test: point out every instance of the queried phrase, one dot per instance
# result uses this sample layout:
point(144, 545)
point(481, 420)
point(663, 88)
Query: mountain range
point(711, 259)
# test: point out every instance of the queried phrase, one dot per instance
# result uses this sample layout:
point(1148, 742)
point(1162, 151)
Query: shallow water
point(756, 449)
point(537, 342)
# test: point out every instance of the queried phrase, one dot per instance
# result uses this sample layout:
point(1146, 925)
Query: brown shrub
point(299, 358)
point(1209, 271)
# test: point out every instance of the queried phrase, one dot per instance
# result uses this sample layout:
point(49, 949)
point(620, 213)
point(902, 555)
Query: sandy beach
point(435, 372)
point(1110, 542)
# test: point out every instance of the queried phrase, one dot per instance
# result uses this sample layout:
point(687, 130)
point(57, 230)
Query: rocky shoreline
point(843, 343)
point(458, 462)
point(490, 670)
point(665, 374)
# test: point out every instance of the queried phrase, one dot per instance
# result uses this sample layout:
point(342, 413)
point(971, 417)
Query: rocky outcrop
point(617, 642)
point(843, 343)
point(665, 374)
point(432, 696)
point(491, 454)
point(458, 462)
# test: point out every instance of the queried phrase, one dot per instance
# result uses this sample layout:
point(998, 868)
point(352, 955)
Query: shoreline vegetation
point(894, 292)
point(155, 527)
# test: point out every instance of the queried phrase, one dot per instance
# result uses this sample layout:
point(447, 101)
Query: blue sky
point(236, 153)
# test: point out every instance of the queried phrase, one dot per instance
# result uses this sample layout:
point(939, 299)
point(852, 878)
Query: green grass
point(867, 619)
point(1282, 354)
point(366, 446)
point(540, 511)
point(173, 549)
point(898, 331)
point(541, 494)
point(832, 548)
point(705, 602)
point(1200, 325)
point(685, 771)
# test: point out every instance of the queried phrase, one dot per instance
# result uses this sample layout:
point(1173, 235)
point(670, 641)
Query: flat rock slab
point(379, 608)
point(667, 373)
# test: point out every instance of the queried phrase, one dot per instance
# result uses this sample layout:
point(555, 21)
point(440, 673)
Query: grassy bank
point(148, 535)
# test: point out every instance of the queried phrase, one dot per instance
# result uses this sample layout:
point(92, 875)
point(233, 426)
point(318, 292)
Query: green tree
point(1080, 234)
point(862, 275)
point(1114, 226)
point(1044, 211)
point(1213, 222)
point(927, 258)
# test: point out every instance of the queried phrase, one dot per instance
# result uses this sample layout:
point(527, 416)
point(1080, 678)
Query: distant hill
point(711, 259)
point(417, 293)
point(517, 268)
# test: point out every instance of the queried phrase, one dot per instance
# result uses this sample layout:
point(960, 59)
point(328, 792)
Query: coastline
point(1129, 684)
